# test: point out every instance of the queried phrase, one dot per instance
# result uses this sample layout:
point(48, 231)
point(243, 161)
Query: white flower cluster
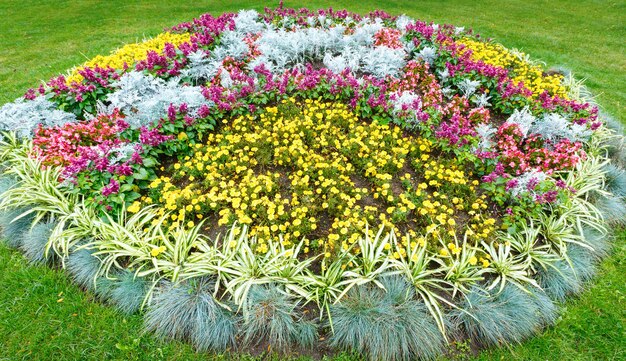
point(200, 66)
point(247, 22)
point(408, 103)
point(428, 54)
point(468, 87)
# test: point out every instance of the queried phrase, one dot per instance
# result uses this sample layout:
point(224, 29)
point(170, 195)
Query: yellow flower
point(156, 251)
point(129, 54)
point(134, 208)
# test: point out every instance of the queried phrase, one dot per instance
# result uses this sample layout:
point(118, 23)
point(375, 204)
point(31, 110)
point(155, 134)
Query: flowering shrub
point(357, 163)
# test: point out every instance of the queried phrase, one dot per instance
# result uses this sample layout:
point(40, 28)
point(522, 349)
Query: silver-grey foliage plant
point(144, 99)
point(188, 311)
point(23, 116)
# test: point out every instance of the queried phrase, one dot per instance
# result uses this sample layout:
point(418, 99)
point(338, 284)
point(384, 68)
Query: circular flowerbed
point(301, 180)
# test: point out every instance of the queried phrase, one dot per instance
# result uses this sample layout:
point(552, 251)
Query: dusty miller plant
point(23, 116)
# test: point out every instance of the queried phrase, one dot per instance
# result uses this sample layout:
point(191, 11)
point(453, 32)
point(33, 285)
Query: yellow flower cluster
point(314, 170)
point(521, 70)
point(129, 54)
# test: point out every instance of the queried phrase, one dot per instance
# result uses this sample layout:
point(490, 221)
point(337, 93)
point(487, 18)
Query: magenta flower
point(112, 188)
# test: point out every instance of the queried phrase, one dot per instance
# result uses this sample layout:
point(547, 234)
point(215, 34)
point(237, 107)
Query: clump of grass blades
point(83, 266)
point(13, 228)
point(546, 308)
point(35, 240)
point(568, 275)
point(616, 144)
point(613, 209)
point(128, 292)
point(385, 324)
point(599, 242)
point(188, 311)
point(559, 281)
point(616, 180)
point(613, 205)
point(7, 182)
point(498, 318)
point(583, 262)
point(274, 316)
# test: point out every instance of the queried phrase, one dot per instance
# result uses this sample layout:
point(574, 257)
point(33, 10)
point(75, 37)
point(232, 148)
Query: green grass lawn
point(44, 316)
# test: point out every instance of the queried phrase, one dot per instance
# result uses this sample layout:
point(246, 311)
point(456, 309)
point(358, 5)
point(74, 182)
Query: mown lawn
point(43, 316)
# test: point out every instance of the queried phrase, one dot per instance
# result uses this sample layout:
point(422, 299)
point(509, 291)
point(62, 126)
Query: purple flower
point(532, 183)
point(152, 137)
point(511, 184)
point(136, 158)
point(171, 112)
point(112, 188)
point(169, 50)
point(204, 111)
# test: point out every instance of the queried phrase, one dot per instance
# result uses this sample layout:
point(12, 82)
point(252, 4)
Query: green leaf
point(142, 174)
point(149, 162)
point(126, 187)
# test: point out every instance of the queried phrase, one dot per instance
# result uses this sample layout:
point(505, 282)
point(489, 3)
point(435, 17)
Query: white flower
point(443, 74)
point(200, 66)
point(225, 80)
point(554, 127)
point(231, 45)
point(383, 61)
point(448, 92)
point(336, 64)
point(122, 152)
point(551, 126)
